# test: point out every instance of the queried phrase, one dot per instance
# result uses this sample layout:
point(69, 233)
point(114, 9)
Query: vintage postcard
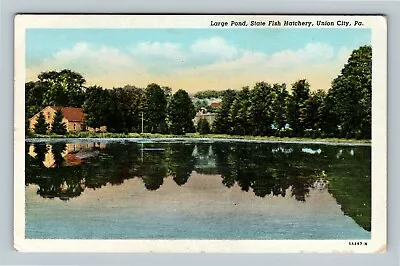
point(200, 133)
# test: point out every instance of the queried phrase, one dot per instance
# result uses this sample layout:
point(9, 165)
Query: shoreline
point(146, 137)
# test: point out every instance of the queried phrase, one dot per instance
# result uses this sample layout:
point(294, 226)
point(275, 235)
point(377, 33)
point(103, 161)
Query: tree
point(154, 107)
point(132, 100)
point(260, 110)
point(119, 108)
point(239, 113)
point(41, 126)
point(221, 124)
point(125, 110)
point(329, 121)
point(181, 112)
point(62, 88)
point(297, 106)
point(97, 107)
point(167, 92)
point(58, 126)
point(279, 106)
point(33, 98)
point(351, 95)
point(209, 94)
point(201, 103)
point(314, 112)
point(203, 127)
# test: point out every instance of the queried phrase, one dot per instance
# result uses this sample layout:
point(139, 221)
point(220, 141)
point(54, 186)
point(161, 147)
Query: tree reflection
point(181, 162)
point(58, 149)
point(262, 169)
point(266, 170)
point(153, 168)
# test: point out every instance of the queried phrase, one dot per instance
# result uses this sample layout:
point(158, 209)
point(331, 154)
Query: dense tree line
point(266, 109)
point(344, 111)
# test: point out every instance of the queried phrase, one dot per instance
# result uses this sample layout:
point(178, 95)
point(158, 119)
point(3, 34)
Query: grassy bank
point(193, 135)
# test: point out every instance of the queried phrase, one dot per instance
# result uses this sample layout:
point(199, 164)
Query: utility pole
point(142, 122)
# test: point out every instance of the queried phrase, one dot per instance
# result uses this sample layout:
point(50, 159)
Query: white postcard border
point(377, 243)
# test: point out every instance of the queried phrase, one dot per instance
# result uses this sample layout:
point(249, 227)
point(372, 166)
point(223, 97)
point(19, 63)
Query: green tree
point(41, 126)
point(351, 94)
point(222, 124)
point(154, 108)
point(125, 110)
point(297, 106)
point(58, 126)
point(33, 98)
point(209, 94)
point(329, 121)
point(203, 127)
point(33, 101)
point(62, 88)
point(97, 106)
point(133, 115)
point(167, 92)
point(201, 103)
point(279, 106)
point(116, 120)
point(260, 109)
point(239, 113)
point(314, 112)
point(181, 112)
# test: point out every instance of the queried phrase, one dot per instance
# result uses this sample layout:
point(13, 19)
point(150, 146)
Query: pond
point(104, 189)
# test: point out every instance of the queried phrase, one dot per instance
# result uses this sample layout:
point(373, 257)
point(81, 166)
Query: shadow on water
point(65, 170)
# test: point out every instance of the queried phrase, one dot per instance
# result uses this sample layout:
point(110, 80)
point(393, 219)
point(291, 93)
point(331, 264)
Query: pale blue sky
point(194, 59)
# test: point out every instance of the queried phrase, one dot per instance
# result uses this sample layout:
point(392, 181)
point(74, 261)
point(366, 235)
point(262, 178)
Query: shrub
point(203, 127)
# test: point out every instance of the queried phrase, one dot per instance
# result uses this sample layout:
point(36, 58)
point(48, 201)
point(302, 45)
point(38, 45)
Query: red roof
point(71, 113)
point(215, 105)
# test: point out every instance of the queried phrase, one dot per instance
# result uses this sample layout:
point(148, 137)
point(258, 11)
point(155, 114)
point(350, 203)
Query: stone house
point(72, 117)
point(204, 114)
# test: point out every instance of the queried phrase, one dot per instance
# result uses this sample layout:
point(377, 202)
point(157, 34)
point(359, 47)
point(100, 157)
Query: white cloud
point(214, 46)
point(312, 52)
point(157, 49)
point(201, 50)
point(103, 57)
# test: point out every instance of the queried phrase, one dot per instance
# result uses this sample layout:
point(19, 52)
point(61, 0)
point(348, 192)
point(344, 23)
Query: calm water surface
point(197, 190)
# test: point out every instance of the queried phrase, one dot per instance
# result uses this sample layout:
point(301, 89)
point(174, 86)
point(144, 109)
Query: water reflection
point(65, 170)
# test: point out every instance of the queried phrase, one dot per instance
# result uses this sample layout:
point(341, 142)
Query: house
point(203, 114)
point(72, 117)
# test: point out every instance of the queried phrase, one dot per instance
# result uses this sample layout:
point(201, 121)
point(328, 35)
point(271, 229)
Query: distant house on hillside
point(73, 118)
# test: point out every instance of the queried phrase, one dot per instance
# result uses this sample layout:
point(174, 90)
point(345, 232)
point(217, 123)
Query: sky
point(194, 59)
